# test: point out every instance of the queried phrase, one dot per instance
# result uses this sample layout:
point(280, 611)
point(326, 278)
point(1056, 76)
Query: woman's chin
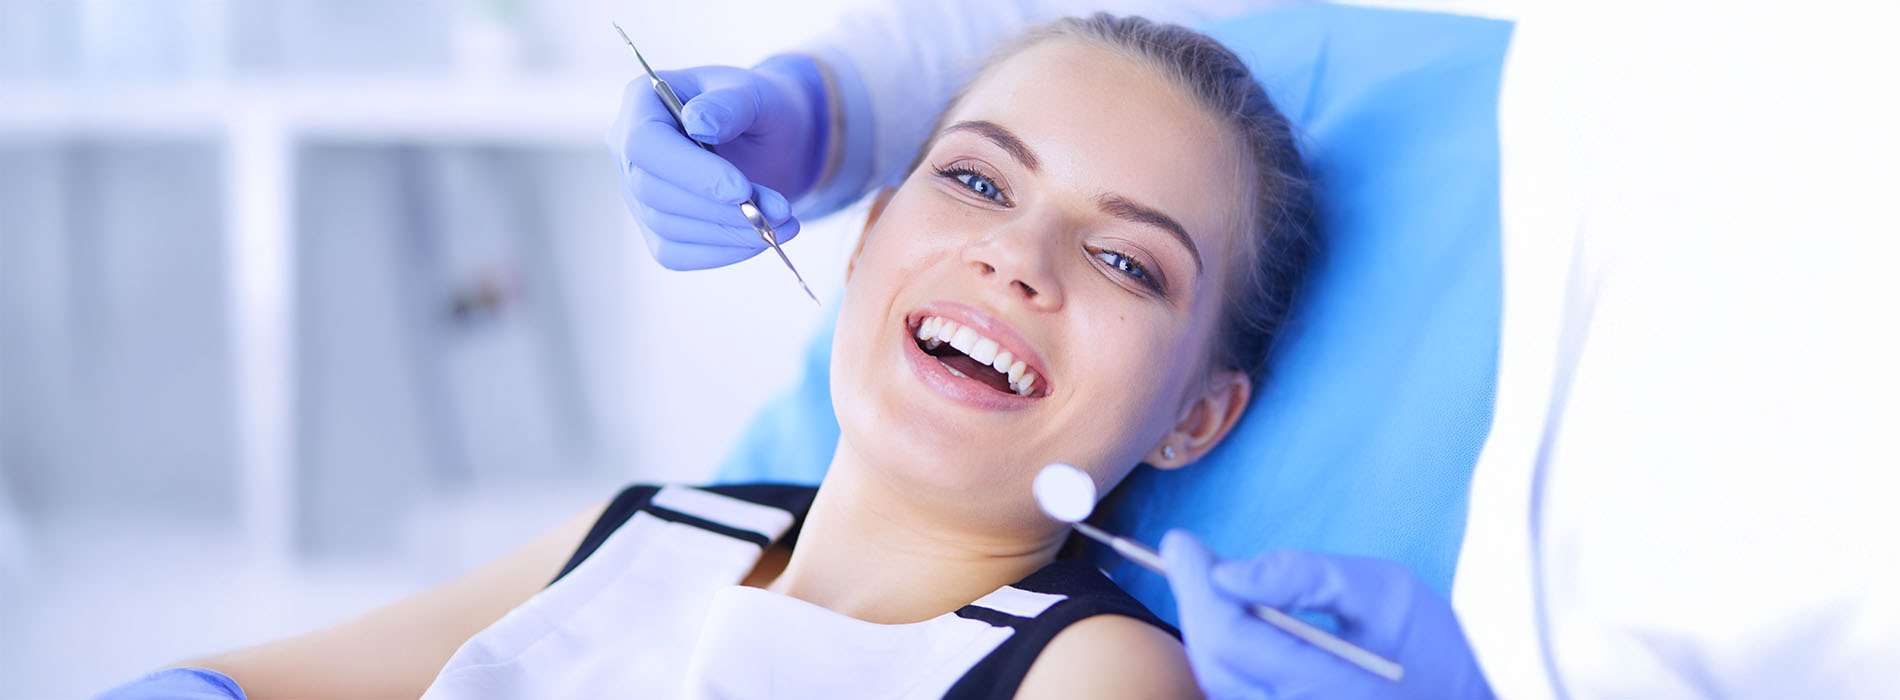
point(944, 453)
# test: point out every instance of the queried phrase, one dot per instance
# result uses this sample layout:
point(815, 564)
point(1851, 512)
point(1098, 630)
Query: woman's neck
point(870, 551)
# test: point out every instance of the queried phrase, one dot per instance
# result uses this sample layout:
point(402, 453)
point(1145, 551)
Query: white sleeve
point(892, 67)
point(1709, 510)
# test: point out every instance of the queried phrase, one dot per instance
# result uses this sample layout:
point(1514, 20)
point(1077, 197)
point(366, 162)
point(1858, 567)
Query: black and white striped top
point(648, 606)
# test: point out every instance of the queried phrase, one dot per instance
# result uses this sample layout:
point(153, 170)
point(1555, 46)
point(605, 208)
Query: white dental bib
point(653, 609)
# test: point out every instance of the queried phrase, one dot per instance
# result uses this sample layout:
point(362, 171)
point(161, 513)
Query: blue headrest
point(1363, 439)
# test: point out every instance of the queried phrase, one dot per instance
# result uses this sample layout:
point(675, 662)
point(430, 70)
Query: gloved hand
point(1380, 606)
point(177, 684)
point(771, 128)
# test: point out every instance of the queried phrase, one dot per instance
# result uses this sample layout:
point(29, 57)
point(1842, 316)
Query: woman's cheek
point(911, 235)
point(1127, 368)
point(1164, 367)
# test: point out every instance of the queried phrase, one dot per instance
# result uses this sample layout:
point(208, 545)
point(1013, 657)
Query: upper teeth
point(937, 330)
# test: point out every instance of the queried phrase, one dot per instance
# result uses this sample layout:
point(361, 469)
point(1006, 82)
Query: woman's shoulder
point(1072, 624)
point(1104, 643)
point(1111, 656)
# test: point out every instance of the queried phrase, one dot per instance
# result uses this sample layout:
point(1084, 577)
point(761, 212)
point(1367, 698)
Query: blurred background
point(306, 305)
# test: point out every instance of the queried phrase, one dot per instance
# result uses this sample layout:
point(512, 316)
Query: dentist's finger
point(645, 193)
point(1268, 657)
point(669, 198)
point(663, 152)
point(713, 224)
point(674, 228)
point(1355, 589)
point(678, 256)
point(1201, 611)
point(664, 232)
point(726, 103)
point(644, 137)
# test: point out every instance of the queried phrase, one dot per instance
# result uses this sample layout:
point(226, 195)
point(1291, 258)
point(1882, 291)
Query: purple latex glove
point(771, 127)
point(1380, 606)
point(177, 684)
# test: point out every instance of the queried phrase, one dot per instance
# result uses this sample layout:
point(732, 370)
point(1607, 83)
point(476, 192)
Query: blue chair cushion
point(1363, 439)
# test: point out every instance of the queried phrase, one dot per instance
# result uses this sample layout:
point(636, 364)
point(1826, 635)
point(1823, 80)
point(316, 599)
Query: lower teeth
point(934, 343)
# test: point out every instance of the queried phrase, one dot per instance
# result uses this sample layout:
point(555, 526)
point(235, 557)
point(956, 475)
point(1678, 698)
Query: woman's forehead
point(1099, 123)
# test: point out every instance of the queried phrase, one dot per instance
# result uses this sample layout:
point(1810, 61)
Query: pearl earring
point(1167, 452)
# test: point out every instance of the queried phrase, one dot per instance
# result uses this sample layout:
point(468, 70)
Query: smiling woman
point(1085, 265)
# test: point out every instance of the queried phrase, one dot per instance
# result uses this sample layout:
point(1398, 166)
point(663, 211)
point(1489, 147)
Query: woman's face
point(1074, 212)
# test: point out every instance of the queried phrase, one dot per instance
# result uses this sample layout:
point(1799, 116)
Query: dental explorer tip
point(636, 49)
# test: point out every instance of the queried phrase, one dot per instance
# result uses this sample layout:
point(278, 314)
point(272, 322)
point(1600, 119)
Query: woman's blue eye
point(982, 186)
point(1127, 266)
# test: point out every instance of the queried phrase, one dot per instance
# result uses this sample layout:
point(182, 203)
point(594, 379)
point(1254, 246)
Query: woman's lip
point(969, 392)
point(989, 327)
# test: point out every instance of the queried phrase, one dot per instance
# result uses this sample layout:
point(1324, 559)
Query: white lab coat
point(1694, 231)
point(1694, 227)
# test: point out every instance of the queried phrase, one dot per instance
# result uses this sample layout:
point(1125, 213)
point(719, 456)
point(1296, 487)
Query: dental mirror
point(1064, 492)
point(1067, 494)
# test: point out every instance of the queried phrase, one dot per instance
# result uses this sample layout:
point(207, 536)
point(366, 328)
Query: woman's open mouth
point(963, 344)
point(968, 354)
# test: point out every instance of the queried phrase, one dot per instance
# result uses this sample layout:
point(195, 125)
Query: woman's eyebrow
point(1123, 208)
point(1003, 138)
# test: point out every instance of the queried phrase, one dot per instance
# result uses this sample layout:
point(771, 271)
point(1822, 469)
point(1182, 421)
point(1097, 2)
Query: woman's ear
point(877, 210)
point(1204, 421)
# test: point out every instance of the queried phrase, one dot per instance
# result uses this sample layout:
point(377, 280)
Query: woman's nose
point(1019, 260)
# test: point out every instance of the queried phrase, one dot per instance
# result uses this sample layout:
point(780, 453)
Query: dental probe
point(750, 207)
point(1068, 495)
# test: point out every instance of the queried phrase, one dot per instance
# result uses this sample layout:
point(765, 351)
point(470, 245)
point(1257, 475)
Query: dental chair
point(1380, 390)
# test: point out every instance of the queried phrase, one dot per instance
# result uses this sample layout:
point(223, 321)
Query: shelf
point(262, 129)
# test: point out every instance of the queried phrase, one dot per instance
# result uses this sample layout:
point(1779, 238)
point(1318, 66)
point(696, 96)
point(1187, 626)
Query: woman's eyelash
point(983, 185)
point(1129, 266)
